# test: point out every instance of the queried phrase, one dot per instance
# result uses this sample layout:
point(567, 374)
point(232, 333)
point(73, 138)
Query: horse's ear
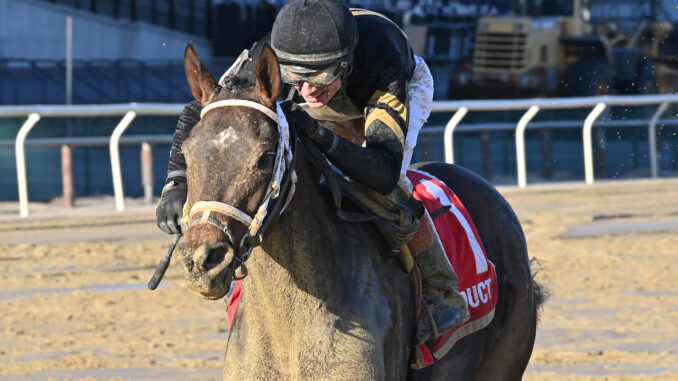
point(268, 76)
point(199, 79)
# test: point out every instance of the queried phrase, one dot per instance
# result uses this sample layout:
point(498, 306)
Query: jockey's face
point(318, 96)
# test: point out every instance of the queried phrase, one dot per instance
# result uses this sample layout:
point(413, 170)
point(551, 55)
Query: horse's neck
point(301, 252)
point(316, 284)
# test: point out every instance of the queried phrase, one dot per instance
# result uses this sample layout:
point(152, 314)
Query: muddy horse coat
point(323, 299)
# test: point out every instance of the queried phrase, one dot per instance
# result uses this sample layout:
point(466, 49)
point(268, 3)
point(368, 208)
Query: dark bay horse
point(323, 298)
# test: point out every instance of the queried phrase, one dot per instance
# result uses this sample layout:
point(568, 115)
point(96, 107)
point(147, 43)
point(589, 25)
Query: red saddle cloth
point(477, 277)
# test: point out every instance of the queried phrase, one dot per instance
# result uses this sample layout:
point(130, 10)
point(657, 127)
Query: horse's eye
point(266, 162)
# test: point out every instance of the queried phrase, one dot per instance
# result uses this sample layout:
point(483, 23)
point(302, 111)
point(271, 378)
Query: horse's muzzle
point(207, 268)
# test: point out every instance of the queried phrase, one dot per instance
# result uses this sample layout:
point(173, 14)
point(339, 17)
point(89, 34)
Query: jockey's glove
point(300, 120)
point(326, 140)
point(170, 208)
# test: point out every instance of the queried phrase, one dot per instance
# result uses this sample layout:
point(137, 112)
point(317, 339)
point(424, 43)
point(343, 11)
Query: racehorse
point(323, 298)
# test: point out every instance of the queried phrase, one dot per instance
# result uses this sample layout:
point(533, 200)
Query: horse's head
point(230, 156)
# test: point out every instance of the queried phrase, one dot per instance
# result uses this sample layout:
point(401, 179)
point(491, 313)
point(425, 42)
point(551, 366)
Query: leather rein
point(278, 194)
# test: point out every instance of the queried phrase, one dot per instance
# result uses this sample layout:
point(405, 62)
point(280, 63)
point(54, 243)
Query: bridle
point(277, 197)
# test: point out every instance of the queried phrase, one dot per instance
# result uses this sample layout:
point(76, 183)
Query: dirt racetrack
point(75, 305)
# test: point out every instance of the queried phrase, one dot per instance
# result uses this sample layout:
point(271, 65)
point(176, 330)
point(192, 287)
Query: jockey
point(367, 94)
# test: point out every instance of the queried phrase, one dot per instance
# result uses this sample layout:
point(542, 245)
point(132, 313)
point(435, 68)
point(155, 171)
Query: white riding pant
point(420, 92)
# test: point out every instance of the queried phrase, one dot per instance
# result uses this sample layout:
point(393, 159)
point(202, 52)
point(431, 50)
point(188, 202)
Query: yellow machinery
point(552, 47)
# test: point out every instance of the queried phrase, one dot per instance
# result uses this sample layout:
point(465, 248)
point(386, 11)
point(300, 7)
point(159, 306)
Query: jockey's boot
point(444, 307)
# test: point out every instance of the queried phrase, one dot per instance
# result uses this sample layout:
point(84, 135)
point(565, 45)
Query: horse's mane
point(237, 84)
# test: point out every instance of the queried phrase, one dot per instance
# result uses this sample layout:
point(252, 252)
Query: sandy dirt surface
point(75, 305)
point(608, 256)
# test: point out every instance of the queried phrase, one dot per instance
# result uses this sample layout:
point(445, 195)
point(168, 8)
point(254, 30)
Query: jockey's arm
point(169, 210)
point(190, 116)
point(376, 164)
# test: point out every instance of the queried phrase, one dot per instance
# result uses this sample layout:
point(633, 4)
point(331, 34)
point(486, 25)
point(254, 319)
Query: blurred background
point(131, 51)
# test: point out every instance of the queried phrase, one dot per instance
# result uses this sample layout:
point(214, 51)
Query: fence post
point(588, 144)
point(486, 154)
point(33, 118)
point(449, 133)
point(546, 154)
point(115, 159)
point(652, 138)
point(67, 176)
point(520, 144)
point(147, 171)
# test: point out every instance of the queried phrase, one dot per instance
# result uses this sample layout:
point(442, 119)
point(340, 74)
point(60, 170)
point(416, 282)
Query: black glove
point(300, 120)
point(170, 209)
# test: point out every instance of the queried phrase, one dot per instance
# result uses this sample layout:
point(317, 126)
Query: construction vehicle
point(573, 48)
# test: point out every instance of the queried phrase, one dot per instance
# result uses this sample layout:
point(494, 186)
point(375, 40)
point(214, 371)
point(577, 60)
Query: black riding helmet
point(314, 41)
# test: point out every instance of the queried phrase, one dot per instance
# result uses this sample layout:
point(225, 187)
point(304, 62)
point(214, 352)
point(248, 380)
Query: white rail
point(652, 137)
point(460, 108)
point(598, 104)
point(587, 141)
point(520, 144)
point(114, 148)
point(35, 113)
point(33, 118)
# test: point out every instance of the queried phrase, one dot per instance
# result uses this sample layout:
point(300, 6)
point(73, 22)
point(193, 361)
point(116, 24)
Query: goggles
point(314, 76)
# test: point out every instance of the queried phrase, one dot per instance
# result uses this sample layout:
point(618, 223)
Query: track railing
point(459, 108)
point(35, 113)
point(533, 106)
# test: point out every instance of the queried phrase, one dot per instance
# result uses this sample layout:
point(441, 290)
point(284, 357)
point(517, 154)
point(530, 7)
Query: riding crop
point(163, 264)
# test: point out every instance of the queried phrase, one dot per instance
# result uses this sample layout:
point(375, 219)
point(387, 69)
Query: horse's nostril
point(215, 256)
